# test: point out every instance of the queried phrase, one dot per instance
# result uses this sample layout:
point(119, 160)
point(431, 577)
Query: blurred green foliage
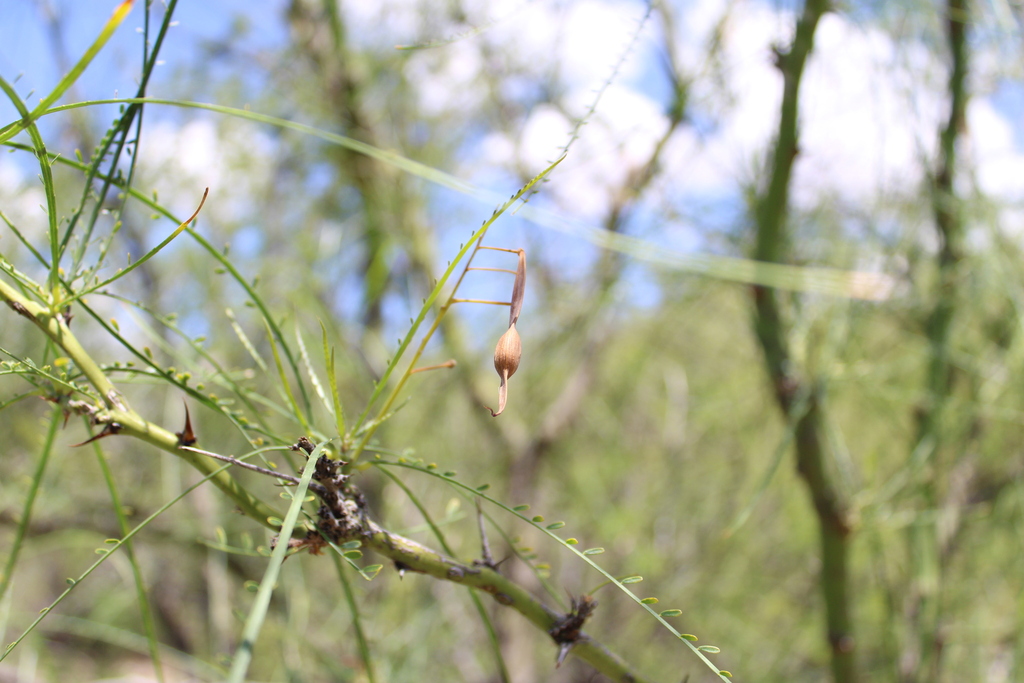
point(645, 421)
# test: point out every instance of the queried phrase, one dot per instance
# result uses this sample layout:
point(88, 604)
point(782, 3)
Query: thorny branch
point(343, 514)
point(115, 409)
point(343, 517)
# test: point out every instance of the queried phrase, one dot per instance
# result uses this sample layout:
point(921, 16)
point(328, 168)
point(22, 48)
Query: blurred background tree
point(770, 333)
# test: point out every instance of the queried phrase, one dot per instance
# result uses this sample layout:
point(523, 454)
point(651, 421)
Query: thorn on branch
point(486, 547)
point(488, 558)
point(186, 437)
point(108, 430)
point(567, 631)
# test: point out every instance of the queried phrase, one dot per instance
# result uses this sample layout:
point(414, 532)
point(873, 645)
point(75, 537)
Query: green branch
point(116, 415)
point(415, 557)
point(924, 545)
point(772, 245)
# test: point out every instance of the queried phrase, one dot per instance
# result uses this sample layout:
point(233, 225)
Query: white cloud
point(616, 141)
point(737, 113)
point(545, 131)
point(10, 175)
point(447, 79)
point(382, 23)
point(524, 33)
point(594, 35)
point(230, 157)
point(21, 197)
point(1000, 168)
point(867, 123)
point(495, 150)
point(867, 115)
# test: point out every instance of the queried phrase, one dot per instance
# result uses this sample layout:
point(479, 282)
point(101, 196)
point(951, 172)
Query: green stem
point(418, 558)
point(140, 585)
point(26, 512)
point(492, 634)
point(254, 623)
point(357, 621)
point(772, 245)
point(924, 545)
point(118, 412)
point(104, 556)
point(411, 554)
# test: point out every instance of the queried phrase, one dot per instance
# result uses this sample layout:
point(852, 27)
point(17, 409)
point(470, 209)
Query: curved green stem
point(116, 410)
point(26, 512)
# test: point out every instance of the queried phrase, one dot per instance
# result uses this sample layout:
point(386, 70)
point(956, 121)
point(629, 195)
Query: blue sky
point(28, 50)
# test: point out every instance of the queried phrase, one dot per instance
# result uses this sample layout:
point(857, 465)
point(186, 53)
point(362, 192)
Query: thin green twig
point(30, 499)
point(140, 585)
point(481, 610)
point(244, 652)
point(357, 621)
point(105, 553)
point(389, 544)
point(474, 245)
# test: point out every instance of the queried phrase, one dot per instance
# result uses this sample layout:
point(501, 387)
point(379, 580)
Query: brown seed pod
point(507, 354)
